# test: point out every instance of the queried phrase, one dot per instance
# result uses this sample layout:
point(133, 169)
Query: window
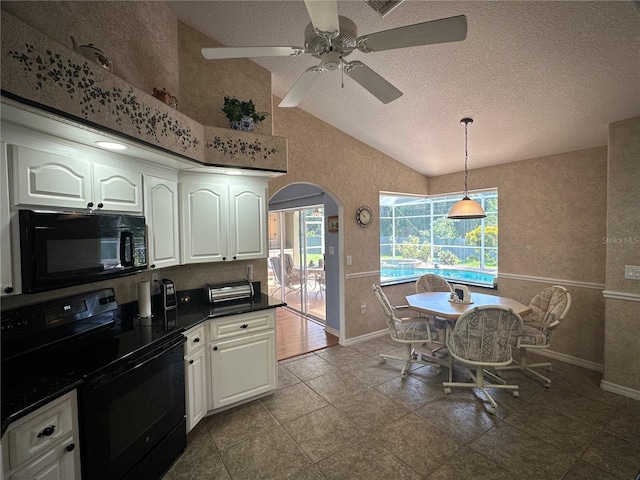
point(416, 237)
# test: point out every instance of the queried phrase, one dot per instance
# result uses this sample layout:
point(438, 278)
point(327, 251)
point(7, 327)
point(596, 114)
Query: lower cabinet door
point(242, 368)
point(59, 463)
point(196, 387)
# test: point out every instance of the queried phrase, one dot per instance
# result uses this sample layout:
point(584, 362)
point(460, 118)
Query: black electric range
point(116, 361)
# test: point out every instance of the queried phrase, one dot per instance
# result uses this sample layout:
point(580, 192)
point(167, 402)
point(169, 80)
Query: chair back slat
point(548, 306)
point(485, 334)
point(387, 309)
point(432, 283)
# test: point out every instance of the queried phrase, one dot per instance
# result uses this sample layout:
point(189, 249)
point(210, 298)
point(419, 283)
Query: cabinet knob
point(100, 205)
point(190, 362)
point(244, 326)
point(224, 258)
point(196, 340)
point(47, 432)
point(8, 289)
point(234, 257)
point(71, 447)
point(90, 204)
point(215, 348)
point(153, 265)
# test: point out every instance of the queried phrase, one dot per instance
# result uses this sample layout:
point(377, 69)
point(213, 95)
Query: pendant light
point(466, 208)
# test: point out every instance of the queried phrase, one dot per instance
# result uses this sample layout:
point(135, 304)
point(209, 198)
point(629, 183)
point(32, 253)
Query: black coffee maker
point(169, 294)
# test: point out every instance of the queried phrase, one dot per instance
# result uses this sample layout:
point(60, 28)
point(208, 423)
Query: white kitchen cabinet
point(223, 219)
point(44, 444)
point(161, 213)
point(48, 179)
point(9, 283)
point(242, 357)
point(196, 375)
point(248, 221)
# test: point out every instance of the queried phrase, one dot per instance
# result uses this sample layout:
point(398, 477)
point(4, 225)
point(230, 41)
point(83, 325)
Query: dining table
point(439, 305)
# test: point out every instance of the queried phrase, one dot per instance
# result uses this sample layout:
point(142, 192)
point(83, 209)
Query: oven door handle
point(138, 363)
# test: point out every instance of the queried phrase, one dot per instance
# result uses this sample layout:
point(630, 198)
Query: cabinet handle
point(47, 432)
point(90, 204)
point(190, 362)
point(71, 447)
point(244, 326)
point(196, 340)
point(215, 348)
point(8, 290)
point(100, 205)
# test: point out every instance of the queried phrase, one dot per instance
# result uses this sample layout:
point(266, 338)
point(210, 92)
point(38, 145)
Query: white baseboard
point(332, 331)
point(580, 362)
point(620, 390)
point(364, 338)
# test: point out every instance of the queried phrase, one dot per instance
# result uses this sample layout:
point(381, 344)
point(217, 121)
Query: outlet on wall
point(363, 308)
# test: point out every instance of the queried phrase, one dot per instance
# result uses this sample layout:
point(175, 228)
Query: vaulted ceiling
point(538, 78)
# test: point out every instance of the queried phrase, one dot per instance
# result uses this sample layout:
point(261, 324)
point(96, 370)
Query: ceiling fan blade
point(371, 81)
point(302, 85)
point(452, 29)
point(248, 52)
point(323, 15)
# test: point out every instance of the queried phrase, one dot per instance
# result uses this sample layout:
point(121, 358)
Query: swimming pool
point(389, 273)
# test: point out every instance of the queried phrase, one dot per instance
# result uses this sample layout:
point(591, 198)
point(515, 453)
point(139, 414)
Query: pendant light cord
point(466, 159)
point(467, 122)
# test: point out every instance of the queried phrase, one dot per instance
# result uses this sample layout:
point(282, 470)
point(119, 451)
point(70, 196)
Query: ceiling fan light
point(466, 209)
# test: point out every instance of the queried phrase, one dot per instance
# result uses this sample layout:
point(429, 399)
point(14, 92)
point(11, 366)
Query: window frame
point(485, 253)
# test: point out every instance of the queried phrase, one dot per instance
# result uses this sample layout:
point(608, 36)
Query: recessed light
point(111, 145)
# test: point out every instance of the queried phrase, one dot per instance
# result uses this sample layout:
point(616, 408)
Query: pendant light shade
point(466, 208)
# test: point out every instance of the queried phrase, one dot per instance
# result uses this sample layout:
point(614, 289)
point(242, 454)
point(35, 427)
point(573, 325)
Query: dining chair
point(406, 330)
point(431, 282)
point(481, 339)
point(548, 308)
point(282, 279)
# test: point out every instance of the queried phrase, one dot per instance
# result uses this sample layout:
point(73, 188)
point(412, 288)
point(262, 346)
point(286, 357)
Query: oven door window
point(127, 414)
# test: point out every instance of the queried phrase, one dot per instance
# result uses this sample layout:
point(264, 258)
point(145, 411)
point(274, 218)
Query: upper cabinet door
point(204, 222)
point(116, 189)
point(42, 178)
point(161, 213)
point(248, 236)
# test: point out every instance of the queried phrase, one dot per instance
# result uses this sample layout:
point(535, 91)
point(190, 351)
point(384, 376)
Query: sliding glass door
point(296, 259)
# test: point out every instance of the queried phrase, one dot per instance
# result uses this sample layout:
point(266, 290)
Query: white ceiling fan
point(331, 38)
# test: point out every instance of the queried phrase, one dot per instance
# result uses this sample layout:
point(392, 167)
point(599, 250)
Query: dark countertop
point(25, 393)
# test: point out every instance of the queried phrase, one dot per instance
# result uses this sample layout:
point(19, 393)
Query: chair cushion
point(532, 336)
point(413, 331)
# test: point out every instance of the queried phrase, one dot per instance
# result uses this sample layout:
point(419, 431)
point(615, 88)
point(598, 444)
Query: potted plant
point(242, 115)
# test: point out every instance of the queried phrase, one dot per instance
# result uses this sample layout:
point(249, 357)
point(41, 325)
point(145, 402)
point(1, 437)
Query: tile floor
point(340, 414)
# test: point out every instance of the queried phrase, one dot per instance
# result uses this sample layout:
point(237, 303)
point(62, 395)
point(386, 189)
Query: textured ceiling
point(538, 78)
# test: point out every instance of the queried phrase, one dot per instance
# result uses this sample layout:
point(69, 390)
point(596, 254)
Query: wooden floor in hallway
point(298, 335)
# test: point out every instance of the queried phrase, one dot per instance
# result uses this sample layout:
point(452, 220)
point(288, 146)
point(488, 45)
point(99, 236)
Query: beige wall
point(354, 173)
point(552, 218)
point(622, 314)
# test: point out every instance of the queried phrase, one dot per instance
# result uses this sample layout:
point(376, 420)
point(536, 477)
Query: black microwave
point(63, 249)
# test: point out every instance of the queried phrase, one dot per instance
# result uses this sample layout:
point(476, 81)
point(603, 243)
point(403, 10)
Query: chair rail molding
point(554, 281)
point(372, 273)
point(631, 297)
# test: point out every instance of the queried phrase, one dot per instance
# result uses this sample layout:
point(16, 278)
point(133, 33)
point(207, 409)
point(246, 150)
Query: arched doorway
point(304, 254)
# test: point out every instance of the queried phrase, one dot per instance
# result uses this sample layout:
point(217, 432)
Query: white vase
point(245, 124)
